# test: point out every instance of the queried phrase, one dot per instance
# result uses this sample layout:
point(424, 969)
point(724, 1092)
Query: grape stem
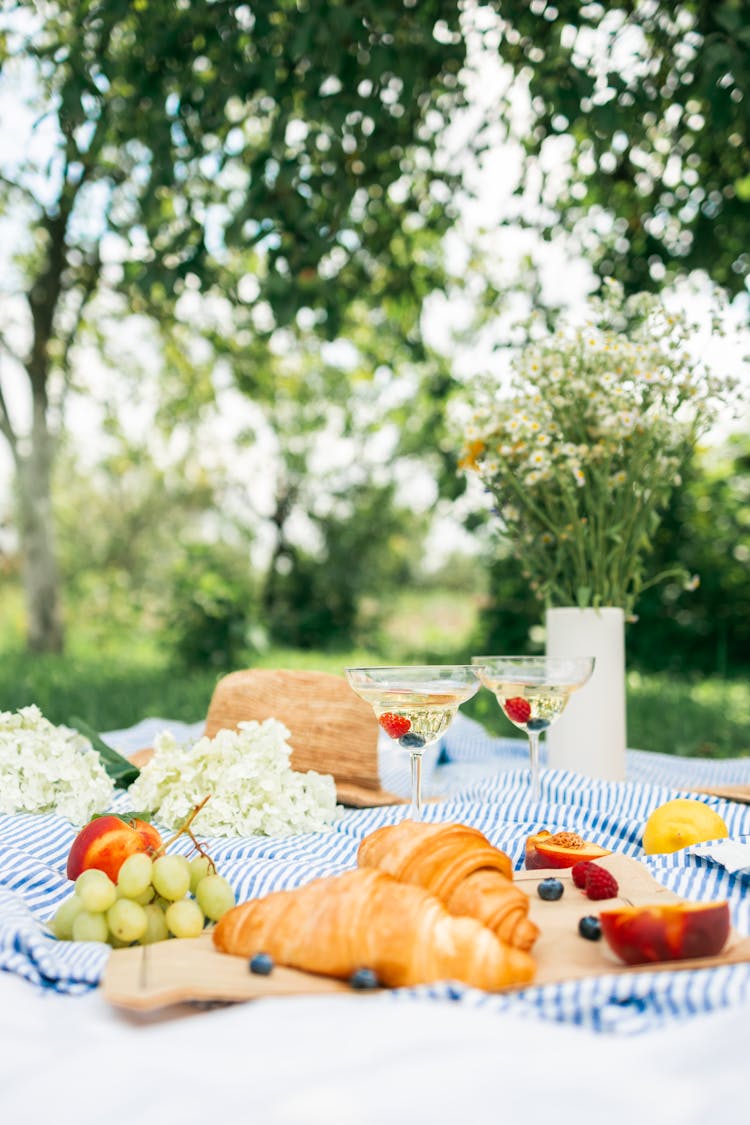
point(185, 830)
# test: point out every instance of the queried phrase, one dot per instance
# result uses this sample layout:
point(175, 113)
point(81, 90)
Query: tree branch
point(6, 428)
point(10, 352)
point(88, 288)
point(20, 188)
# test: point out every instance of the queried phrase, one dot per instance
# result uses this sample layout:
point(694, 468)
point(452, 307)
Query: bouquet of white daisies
point(582, 452)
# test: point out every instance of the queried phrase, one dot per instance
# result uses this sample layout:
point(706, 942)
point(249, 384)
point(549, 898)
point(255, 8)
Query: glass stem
point(415, 808)
point(536, 790)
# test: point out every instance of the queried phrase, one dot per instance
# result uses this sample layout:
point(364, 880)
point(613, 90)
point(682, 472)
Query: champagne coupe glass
point(415, 705)
point(532, 692)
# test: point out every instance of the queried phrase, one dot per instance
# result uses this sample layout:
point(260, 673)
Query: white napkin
point(732, 854)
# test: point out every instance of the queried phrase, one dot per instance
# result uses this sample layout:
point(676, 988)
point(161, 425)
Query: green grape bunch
point(153, 899)
point(155, 895)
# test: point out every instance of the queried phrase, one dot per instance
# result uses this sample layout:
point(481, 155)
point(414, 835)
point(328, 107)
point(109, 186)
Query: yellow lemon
point(679, 823)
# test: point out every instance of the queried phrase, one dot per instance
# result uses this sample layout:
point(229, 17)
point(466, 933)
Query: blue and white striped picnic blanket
point(483, 782)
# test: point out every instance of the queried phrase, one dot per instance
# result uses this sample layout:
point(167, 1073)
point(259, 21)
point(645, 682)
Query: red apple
point(672, 932)
point(107, 841)
point(563, 849)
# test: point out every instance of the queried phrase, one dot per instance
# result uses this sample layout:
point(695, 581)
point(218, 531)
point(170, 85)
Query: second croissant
point(458, 865)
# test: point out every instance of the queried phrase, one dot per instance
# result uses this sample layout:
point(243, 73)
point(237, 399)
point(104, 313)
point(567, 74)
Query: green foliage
point(432, 623)
point(121, 526)
point(212, 607)
point(278, 159)
point(369, 545)
point(276, 130)
point(274, 158)
point(655, 98)
point(707, 529)
point(281, 131)
point(511, 611)
point(694, 717)
point(122, 772)
point(422, 420)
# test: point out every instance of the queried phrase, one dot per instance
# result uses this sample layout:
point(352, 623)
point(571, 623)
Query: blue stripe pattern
point(482, 781)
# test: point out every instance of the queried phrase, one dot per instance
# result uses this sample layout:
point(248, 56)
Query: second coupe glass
point(532, 692)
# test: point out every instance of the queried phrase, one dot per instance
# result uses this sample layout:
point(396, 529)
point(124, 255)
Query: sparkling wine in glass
point(415, 705)
point(532, 692)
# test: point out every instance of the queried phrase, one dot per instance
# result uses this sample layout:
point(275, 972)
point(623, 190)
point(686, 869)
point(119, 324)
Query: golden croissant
point(461, 867)
point(366, 919)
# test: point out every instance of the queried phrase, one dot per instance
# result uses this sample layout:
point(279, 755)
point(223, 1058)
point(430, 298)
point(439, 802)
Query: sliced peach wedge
point(673, 931)
point(561, 849)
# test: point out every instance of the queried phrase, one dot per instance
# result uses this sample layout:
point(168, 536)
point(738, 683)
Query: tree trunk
point(286, 496)
point(37, 534)
point(36, 524)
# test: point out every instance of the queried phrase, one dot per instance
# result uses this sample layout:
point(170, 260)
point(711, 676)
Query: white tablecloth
point(356, 1061)
point(361, 1059)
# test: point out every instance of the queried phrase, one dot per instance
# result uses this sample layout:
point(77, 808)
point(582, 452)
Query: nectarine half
point(561, 849)
point(107, 841)
point(674, 931)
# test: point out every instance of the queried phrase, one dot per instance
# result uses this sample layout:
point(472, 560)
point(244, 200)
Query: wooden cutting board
point(739, 793)
point(191, 970)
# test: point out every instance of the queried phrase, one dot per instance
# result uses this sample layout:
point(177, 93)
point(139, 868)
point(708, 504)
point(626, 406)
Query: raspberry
point(394, 725)
point(600, 883)
point(517, 709)
point(578, 872)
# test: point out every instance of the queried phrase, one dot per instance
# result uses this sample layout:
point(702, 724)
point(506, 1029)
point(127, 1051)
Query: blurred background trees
point(707, 530)
point(247, 265)
point(648, 104)
point(276, 158)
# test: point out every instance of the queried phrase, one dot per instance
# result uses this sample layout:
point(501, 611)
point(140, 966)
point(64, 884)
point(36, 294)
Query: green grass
point(706, 717)
point(107, 692)
point(116, 688)
point(112, 678)
point(430, 621)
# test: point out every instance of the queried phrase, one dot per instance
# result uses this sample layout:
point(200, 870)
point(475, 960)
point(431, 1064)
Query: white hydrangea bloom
point(49, 769)
point(248, 775)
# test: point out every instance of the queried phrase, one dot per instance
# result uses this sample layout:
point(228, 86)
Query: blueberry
point(411, 741)
point(262, 964)
point(550, 890)
point(537, 724)
point(590, 927)
point(364, 979)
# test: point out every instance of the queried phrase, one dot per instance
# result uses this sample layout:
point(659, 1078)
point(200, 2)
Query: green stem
point(185, 830)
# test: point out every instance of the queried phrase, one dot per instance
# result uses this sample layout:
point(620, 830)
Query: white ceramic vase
point(590, 736)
